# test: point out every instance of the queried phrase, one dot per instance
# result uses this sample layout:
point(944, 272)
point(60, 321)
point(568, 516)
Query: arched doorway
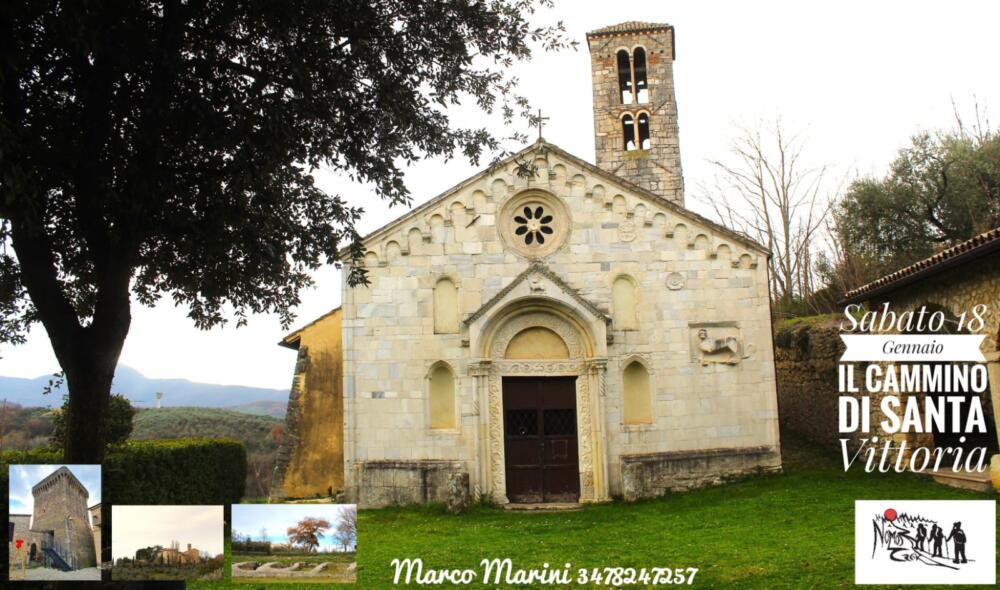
point(541, 449)
point(542, 433)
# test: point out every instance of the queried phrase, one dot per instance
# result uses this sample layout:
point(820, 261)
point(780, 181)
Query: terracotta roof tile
point(973, 248)
point(629, 27)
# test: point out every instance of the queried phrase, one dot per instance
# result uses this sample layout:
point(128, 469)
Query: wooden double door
point(540, 439)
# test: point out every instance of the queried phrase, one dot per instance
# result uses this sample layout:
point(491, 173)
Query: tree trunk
point(90, 364)
point(88, 378)
point(88, 354)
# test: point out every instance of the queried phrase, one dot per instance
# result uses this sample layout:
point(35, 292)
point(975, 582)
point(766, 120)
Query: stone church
point(570, 335)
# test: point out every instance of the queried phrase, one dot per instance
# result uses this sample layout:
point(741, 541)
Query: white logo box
point(885, 543)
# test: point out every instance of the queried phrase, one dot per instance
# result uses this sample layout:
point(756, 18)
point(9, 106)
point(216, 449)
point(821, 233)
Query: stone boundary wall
point(805, 363)
point(653, 475)
point(392, 483)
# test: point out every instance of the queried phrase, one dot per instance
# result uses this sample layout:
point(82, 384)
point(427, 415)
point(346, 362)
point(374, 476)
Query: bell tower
point(635, 113)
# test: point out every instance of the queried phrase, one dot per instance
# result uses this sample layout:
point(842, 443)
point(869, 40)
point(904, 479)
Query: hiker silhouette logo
point(925, 541)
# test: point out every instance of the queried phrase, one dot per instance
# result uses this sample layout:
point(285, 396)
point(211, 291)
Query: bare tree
point(347, 528)
point(767, 191)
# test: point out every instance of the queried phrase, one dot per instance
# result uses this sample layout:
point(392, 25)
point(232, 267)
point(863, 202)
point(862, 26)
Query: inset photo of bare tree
point(311, 543)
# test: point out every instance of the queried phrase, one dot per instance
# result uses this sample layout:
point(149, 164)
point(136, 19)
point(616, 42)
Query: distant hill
point(142, 391)
point(255, 431)
point(263, 408)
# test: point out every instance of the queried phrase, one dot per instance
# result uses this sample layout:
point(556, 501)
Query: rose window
point(533, 225)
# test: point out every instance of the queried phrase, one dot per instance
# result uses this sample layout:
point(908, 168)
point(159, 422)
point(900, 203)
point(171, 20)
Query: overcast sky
point(276, 519)
point(858, 78)
point(24, 477)
point(137, 527)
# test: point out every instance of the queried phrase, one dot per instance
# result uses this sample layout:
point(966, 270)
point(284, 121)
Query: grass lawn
point(313, 583)
point(794, 530)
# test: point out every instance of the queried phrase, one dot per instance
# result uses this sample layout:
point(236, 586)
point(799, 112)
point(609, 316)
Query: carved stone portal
point(577, 365)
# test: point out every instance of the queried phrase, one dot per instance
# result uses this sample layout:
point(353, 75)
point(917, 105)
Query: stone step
point(977, 482)
point(543, 507)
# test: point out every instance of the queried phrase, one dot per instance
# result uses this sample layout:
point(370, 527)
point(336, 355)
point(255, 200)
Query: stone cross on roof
point(540, 122)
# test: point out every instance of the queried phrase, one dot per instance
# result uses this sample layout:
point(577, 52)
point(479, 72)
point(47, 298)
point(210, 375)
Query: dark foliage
point(117, 424)
point(152, 149)
point(941, 190)
point(183, 471)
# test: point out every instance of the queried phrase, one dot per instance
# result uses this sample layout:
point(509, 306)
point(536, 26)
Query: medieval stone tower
point(62, 518)
point(635, 113)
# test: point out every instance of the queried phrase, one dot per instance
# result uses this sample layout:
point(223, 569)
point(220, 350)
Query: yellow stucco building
point(312, 453)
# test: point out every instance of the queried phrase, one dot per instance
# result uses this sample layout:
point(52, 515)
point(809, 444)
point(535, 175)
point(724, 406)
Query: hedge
point(179, 471)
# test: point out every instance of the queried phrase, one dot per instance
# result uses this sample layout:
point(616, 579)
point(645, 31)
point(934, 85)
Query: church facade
point(568, 335)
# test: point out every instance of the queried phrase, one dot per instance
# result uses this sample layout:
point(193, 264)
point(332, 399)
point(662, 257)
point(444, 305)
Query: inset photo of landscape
point(167, 542)
point(309, 543)
point(54, 522)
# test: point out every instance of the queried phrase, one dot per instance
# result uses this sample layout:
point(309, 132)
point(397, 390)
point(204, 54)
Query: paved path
point(44, 573)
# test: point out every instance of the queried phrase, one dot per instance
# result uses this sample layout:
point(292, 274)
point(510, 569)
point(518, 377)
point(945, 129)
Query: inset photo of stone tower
point(52, 531)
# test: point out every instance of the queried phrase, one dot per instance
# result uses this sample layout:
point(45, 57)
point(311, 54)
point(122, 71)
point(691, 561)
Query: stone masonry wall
point(397, 483)
point(650, 476)
point(805, 362)
point(687, 274)
point(61, 506)
point(21, 531)
point(958, 291)
point(96, 526)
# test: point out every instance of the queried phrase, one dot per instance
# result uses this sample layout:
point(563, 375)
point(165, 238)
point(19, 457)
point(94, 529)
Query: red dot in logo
point(890, 515)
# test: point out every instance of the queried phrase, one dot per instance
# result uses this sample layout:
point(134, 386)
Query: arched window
point(442, 398)
point(624, 77)
point(643, 131)
point(637, 403)
point(445, 307)
point(623, 299)
point(628, 132)
point(641, 86)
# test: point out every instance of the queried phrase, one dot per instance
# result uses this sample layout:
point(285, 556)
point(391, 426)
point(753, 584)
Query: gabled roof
point(545, 271)
point(631, 26)
point(292, 340)
point(588, 167)
point(981, 245)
